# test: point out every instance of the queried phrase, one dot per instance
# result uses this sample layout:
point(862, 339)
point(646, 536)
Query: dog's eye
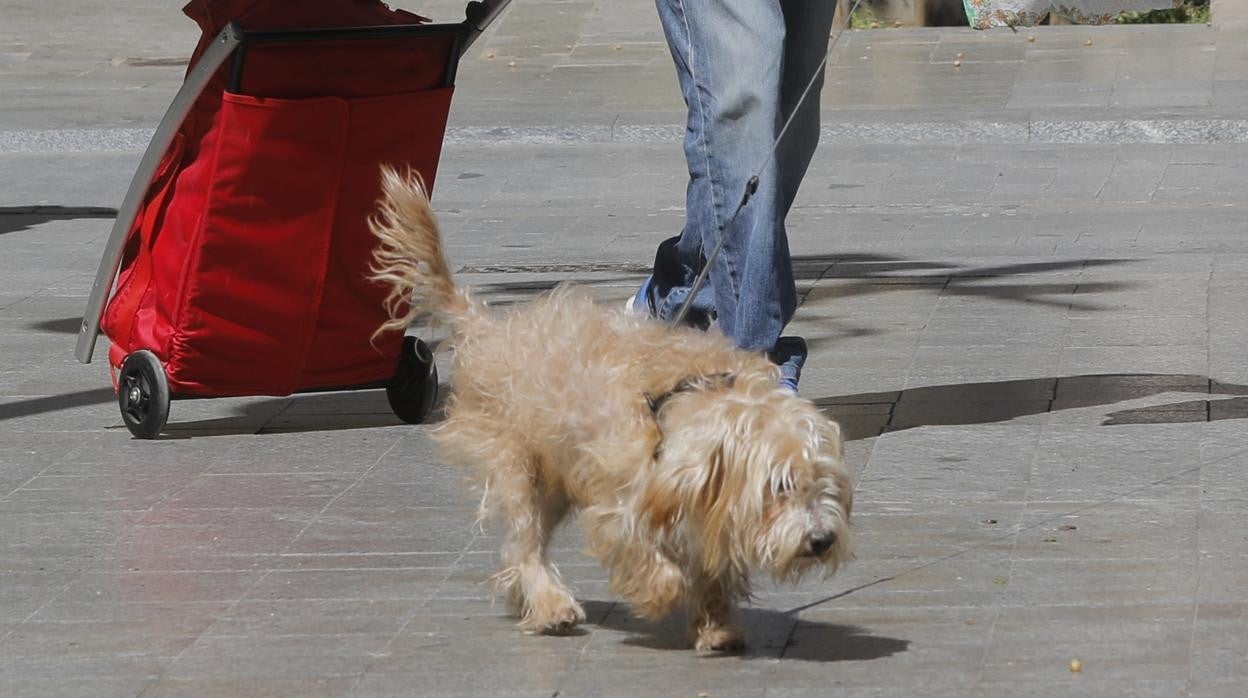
point(783, 487)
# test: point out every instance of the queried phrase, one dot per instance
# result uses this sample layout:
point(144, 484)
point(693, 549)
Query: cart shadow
point(318, 412)
point(29, 407)
point(770, 635)
point(18, 218)
point(67, 325)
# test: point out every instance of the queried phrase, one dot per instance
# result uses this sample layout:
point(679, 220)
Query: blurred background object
point(985, 14)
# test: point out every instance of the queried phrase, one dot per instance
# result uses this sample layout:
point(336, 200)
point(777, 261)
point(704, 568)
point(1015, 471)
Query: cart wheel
point(143, 394)
point(414, 388)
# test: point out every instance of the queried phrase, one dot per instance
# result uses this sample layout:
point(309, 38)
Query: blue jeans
point(742, 66)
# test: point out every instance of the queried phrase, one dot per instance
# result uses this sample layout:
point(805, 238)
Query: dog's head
point(748, 476)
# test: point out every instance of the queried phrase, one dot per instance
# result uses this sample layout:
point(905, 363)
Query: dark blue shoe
point(790, 355)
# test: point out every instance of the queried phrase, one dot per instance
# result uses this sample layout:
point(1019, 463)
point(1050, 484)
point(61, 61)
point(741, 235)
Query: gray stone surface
point(1023, 282)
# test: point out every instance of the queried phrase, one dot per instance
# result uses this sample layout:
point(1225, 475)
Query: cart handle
point(480, 14)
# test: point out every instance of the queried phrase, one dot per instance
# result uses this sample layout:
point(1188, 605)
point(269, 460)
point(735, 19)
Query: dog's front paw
point(554, 617)
point(562, 622)
point(720, 639)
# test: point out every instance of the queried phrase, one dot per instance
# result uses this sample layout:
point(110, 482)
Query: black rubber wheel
point(143, 394)
point(414, 388)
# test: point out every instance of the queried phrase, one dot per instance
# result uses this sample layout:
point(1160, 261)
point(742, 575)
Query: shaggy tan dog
point(687, 464)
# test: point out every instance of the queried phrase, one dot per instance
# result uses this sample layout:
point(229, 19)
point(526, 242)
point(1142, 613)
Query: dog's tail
point(409, 257)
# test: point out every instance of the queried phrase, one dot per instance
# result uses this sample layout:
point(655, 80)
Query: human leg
point(729, 57)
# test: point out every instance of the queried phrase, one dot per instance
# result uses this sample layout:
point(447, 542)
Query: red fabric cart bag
point(264, 239)
point(246, 272)
point(259, 283)
point(404, 131)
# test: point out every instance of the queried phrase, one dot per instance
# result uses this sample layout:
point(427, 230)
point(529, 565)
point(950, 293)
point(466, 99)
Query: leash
point(751, 186)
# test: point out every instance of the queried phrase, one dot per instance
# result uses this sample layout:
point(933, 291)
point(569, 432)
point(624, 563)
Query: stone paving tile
point(452, 684)
point(378, 530)
point(1221, 575)
point(173, 618)
point(53, 687)
point(1108, 464)
point(106, 639)
point(363, 584)
point(1107, 582)
point(1085, 686)
point(999, 457)
point(1121, 529)
point(260, 668)
point(1115, 662)
point(159, 587)
point(328, 687)
point(205, 533)
point(51, 669)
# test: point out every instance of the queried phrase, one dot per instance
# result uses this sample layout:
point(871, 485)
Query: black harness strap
point(707, 382)
point(686, 385)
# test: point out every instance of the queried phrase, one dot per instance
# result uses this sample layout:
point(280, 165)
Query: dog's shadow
point(769, 635)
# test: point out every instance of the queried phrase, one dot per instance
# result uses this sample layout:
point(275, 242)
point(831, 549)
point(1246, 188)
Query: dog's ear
point(831, 438)
point(730, 502)
point(694, 491)
point(715, 509)
point(680, 482)
point(702, 476)
point(830, 441)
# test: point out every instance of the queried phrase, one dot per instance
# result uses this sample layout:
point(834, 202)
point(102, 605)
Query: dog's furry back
point(507, 368)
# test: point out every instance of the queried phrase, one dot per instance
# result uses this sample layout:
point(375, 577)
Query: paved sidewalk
point(1023, 280)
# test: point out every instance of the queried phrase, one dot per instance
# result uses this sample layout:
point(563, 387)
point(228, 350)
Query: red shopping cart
point(240, 253)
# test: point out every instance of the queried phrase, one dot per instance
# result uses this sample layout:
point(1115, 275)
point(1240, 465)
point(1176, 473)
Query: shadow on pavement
point(871, 274)
point(17, 218)
point(862, 415)
point(67, 325)
point(869, 414)
point(54, 403)
point(770, 635)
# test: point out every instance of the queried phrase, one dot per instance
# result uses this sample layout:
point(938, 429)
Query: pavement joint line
point(1014, 532)
point(265, 575)
point(363, 474)
point(1014, 535)
point(385, 650)
point(160, 675)
point(589, 637)
point(1176, 130)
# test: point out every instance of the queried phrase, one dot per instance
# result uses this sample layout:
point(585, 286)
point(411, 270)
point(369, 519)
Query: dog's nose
point(820, 543)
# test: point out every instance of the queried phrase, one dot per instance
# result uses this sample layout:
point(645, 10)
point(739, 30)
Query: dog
point(687, 464)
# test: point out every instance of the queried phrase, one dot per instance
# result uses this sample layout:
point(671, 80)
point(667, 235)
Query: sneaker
point(641, 303)
point(789, 355)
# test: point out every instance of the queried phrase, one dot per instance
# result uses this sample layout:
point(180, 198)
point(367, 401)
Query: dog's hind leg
point(531, 510)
